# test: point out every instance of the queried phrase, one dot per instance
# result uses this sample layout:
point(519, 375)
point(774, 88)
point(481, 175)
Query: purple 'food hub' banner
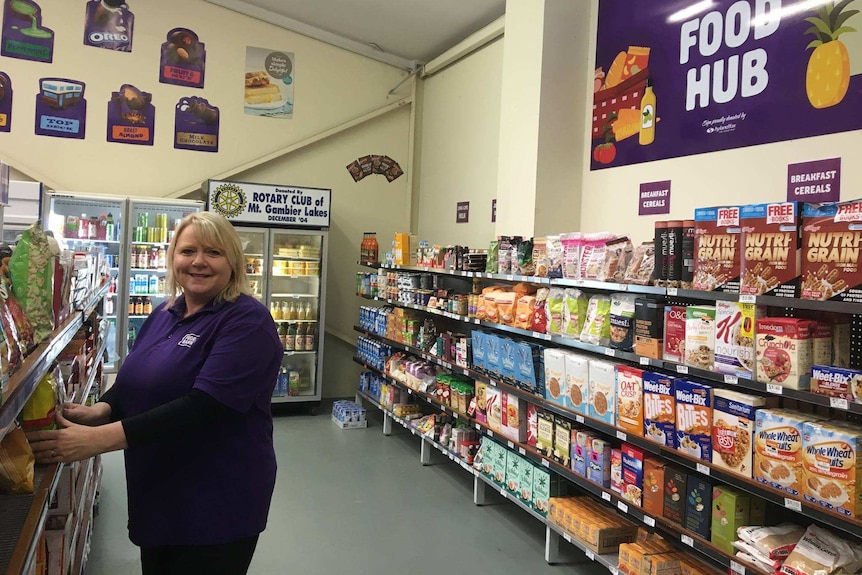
point(183, 60)
point(23, 35)
point(131, 117)
point(5, 102)
point(109, 24)
point(818, 181)
point(196, 125)
point(654, 198)
point(671, 81)
point(61, 110)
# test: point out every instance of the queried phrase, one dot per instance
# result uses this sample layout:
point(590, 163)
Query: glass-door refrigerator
point(86, 223)
point(284, 234)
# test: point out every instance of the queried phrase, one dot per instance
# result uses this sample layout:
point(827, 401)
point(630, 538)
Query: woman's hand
point(75, 442)
point(98, 414)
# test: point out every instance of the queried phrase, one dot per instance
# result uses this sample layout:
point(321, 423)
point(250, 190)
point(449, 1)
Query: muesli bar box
point(716, 249)
point(831, 244)
point(771, 238)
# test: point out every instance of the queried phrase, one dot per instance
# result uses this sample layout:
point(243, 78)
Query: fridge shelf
point(133, 242)
point(294, 258)
point(295, 320)
point(299, 352)
point(294, 295)
point(296, 276)
point(92, 240)
point(157, 270)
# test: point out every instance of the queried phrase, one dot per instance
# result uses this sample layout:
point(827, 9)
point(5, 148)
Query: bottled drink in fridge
point(290, 339)
point(132, 335)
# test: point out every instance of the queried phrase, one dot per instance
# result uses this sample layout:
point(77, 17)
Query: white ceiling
point(407, 29)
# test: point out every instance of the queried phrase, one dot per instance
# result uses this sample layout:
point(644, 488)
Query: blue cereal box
point(599, 465)
point(582, 442)
point(659, 408)
point(530, 367)
point(694, 419)
point(507, 359)
point(492, 354)
point(478, 347)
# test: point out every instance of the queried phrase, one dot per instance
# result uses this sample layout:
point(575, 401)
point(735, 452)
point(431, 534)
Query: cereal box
point(577, 382)
point(581, 447)
point(541, 490)
point(783, 351)
point(730, 511)
point(734, 337)
point(514, 417)
point(694, 419)
point(700, 336)
point(507, 359)
point(837, 382)
point(659, 408)
point(832, 462)
point(562, 440)
point(492, 354)
point(633, 473)
point(599, 465)
point(494, 408)
point(778, 449)
point(555, 376)
point(698, 505)
point(653, 486)
point(821, 343)
point(530, 365)
point(526, 483)
point(603, 387)
point(489, 452)
point(616, 470)
point(648, 328)
point(545, 433)
point(630, 413)
point(733, 429)
point(771, 238)
point(831, 242)
point(513, 471)
point(716, 249)
point(674, 494)
point(674, 333)
point(477, 339)
point(498, 466)
point(532, 423)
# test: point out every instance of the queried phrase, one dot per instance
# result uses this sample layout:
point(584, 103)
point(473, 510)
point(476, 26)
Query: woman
point(191, 407)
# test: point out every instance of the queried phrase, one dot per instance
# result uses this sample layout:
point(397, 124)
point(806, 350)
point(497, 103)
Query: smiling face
point(203, 271)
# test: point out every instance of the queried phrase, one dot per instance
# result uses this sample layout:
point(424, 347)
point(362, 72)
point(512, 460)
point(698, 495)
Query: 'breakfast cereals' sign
point(654, 198)
point(274, 206)
point(680, 78)
point(818, 181)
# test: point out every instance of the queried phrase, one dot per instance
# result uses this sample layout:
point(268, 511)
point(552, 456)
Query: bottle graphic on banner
point(648, 118)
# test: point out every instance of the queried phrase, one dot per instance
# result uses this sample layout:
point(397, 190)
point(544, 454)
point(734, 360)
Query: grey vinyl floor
point(361, 503)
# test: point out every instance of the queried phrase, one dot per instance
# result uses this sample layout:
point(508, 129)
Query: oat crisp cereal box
point(603, 389)
point(674, 333)
point(734, 337)
point(577, 382)
point(783, 351)
point(716, 249)
point(630, 413)
point(778, 449)
point(832, 463)
point(700, 336)
point(831, 244)
point(771, 238)
point(733, 416)
point(694, 419)
point(659, 408)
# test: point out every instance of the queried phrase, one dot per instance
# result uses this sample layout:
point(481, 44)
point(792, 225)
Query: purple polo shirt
point(214, 484)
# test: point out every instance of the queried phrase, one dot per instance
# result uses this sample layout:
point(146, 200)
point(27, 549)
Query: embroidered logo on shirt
point(189, 340)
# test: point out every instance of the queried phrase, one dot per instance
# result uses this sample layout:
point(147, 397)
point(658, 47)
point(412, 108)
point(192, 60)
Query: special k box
point(831, 455)
point(771, 238)
point(734, 337)
point(694, 419)
point(716, 249)
point(659, 408)
point(831, 246)
point(630, 413)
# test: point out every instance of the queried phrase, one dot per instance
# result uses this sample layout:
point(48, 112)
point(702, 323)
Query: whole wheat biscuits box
point(778, 449)
point(771, 238)
point(831, 456)
point(716, 249)
point(831, 246)
point(733, 422)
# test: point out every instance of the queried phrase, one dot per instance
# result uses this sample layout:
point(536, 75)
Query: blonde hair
point(212, 230)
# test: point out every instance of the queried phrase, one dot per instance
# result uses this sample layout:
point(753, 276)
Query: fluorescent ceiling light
point(690, 11)
point(786, 11)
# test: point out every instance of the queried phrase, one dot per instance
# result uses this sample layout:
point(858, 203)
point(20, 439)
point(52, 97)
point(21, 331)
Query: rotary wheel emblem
point(229, 200)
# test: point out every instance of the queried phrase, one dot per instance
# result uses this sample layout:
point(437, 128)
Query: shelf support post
point(425, 452)
point(479, 490)
point(387, 424)
point(552, 546)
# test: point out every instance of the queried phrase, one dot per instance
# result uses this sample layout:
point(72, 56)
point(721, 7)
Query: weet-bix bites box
point(659, 408)
point(716, 249)
point(771, 239)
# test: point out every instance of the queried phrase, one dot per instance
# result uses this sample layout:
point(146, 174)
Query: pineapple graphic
point(828, 74)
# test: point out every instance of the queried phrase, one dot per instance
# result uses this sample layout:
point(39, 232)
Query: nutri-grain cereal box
point(734, 337)
point(630, 412)
point(771, 239)
point(831, 246)
point(659, 408)
point(783, 351)
point(694, 419)
point(716, 249)
point(674, 333)
point(831, 455)
point(733, 422)
point(778, 449)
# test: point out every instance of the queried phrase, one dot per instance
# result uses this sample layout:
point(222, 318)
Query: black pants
point(225, 559)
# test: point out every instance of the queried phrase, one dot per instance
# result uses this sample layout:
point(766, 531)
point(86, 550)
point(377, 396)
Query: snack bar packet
point(16, 463)
point(32, 271)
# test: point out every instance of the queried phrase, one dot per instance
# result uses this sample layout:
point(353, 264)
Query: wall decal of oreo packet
point(61, 110)
point(183, 60)
point(5, 102)
point(109, 24)
point(196, 125)
point(131, 117)
point(23, 35)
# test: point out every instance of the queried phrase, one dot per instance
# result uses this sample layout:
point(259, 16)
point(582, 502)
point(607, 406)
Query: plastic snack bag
point(597, 326)
point(554, 249)
point(493, 255)
point(524, 309)
point(820, 552)
point(38, 412)
point(16, 463)
point(574, 312)
point(540, 318)
point(622, 321)
point(526, 266)
point(617, 254)
point(540, 257)
point(32, 271)
point(554, 310)
point(642, 265)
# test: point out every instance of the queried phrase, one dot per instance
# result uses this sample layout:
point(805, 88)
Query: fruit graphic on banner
point(828, 75)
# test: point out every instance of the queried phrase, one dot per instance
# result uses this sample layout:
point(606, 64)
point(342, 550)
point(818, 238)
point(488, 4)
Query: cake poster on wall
point(5, 102)
point(109, 24)
point(196, 125)
point(269, 76)
point(183, 60)
point(61, 110)
point(24, 36)
point(131, 116)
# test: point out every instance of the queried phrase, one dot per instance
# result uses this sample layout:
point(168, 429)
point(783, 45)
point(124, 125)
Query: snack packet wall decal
point(23, 35)
point(269, 80)
point(109, 24)
point(131, 116)
point(196, 125)
point(61, 110)
point(5, 102)
point(374, 164)
point(183, 60)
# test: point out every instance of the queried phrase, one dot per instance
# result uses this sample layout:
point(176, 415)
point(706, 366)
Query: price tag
point(409, 392)
point(567, 537)
point(737, 567)
point(413, 431)
point(606, 496)
point(546, 336)
point(687, 540)
point(545, 463)
point(510, 277)
point(774, 388)
point(492, 382)
point(610, 352)
point(701, 468)
point(510, 444)
point(621, 435)
point(622, 507)
point(579, 418)
point(503, 493)
point(838, 403)
point(731, 379)
point(792, 504)
point(649, 521)
point(522, 451)
point(478, 427)
point(466, 372)
point(672, 291)
point(476, 321)
point(590, 555)
point(614, 570)
point(683, 369)
point(455, 413)
point(490, 433)
point(644, 361)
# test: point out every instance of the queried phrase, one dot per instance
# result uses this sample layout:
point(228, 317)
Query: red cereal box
point(831, 244)
point(716, 249)
point(771, 238)
point(674, 333)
